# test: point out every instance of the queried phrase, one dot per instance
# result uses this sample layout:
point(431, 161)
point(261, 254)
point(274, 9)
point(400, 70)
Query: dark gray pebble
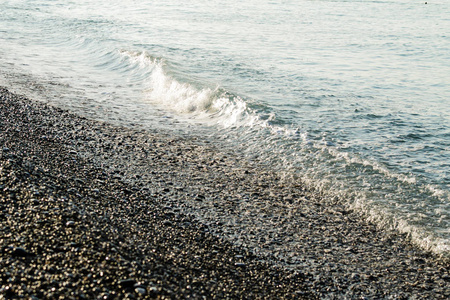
point(126, 283)
point(20, 252)
point(141, 291)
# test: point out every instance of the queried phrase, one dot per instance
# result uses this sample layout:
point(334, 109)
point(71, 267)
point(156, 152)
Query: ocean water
point(351, 95)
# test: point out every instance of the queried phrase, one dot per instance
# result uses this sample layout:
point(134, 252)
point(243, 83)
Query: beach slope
point(89, 210)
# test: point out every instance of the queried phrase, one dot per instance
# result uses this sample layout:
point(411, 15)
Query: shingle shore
point(89, 210)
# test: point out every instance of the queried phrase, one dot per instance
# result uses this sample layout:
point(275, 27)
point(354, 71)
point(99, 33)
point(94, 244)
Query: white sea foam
point(210, 105)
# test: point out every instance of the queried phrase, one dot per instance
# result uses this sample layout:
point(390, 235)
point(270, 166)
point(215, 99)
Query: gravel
point(91, 210)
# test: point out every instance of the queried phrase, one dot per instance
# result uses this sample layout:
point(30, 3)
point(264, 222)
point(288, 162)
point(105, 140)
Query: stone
point(20, 252)
point(141, 291)
point(127, 283)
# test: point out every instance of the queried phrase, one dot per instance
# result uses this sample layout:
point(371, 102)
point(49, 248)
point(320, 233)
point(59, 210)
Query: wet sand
point(91, 210)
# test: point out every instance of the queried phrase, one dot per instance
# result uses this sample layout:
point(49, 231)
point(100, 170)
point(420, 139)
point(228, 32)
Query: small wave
point(383, 195)
point(210, 105)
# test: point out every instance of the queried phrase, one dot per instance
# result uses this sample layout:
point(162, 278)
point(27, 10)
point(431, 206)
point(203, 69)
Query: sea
point(351, 96)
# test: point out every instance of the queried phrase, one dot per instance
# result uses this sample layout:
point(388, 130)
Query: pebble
point(19, 251)
point(153, 290)
point(126, 283)
point(141, 291)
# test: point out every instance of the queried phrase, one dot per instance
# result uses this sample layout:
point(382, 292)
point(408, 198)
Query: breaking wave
point(385, 197)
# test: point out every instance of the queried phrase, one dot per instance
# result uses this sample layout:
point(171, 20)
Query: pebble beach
point(92, 210)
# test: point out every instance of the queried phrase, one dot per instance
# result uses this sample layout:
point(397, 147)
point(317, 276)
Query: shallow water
point(352, 95)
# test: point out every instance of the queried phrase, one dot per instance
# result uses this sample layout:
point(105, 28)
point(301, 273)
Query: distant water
point(353, 95)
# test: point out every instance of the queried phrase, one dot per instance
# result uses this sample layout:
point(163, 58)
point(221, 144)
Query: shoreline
point(89, 210)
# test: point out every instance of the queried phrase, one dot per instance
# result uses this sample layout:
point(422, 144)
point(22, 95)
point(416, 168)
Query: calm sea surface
point(354, 96)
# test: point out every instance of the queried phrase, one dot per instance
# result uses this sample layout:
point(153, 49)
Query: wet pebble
point(126, 283)
point(141, 291)
point(20, 252)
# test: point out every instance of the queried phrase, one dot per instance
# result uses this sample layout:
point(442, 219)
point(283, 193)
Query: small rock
point(126, 283)
point(80, 181)
point(153, 291)
point(70, 223)
point(20, 252)
point(141, 291)
point(355, 276)
point(200, 197)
